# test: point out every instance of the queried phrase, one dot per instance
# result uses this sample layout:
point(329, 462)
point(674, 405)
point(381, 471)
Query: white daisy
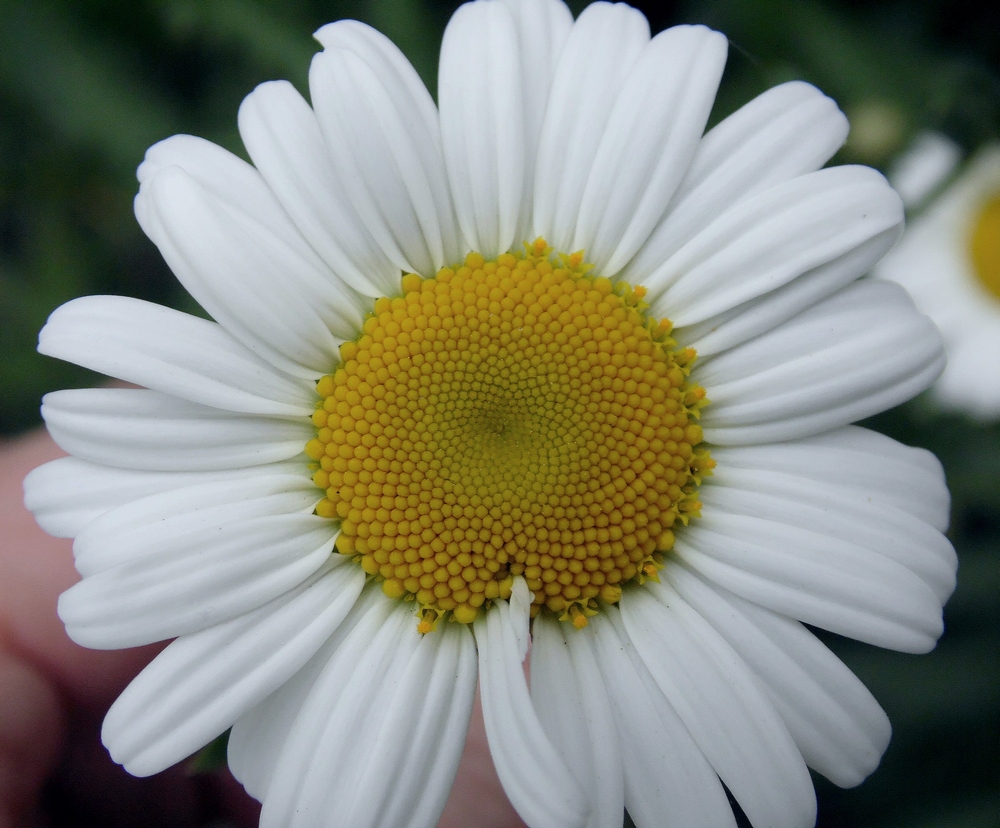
point(949, 261)
point(506, 445)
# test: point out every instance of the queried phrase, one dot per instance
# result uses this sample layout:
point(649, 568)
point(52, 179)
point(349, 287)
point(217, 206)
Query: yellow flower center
point(510, 417)
point(985, 246)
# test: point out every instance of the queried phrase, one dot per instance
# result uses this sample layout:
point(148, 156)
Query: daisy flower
point(545, 367)
point(949, 261)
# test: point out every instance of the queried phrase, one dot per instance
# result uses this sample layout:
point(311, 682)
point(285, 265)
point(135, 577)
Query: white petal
point(133, 529)
point(785, 132)
point(67, 494)
point(766, 241)
point(651, 135)
point(385, 147)
point(575, 713)
point(270, 292)
point(723, 706)
point(857, 459)
point(923, 166)
point(229, 179)
point(539, 785)
point(242, 193)
point(257, 738)
point(430, 715)
point(341, 763)
point(810, 576)
point(542, 28)
point(283, 138)
point(483, 123)
point(200, 684)
point(668, 780)
point(137, 429)
point(602, 48)
point(192, 569)
point(743, 322)
point(838, 726)
point(850, 513)
point(520, 608)
point(859, 352)
point(359, 658)
point(379, 51)
point(171, 352)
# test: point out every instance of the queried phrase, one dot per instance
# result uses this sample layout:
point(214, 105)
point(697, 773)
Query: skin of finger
point(58, 692)
point(477, 798)
point(34, 569)
point(32, 726)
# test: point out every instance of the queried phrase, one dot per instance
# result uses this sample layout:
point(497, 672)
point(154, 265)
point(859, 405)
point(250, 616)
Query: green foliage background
point(87, 85)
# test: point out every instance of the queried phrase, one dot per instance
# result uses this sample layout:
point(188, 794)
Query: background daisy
point(949, 261)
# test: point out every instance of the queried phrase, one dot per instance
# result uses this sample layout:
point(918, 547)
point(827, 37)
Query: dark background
point(87, 85)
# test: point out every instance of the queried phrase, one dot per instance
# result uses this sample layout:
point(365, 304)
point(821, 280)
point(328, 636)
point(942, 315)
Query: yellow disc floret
point(510, 417)
point(985, 246)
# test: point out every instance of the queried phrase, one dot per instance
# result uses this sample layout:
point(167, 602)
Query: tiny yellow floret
point(513, 417)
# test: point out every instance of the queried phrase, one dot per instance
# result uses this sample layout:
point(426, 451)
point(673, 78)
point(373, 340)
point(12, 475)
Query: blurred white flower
point(949, 261)
point(923, 167)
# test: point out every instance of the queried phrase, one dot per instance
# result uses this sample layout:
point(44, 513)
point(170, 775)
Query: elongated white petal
point(924, 166)
point(379, 51)
point(539, 785)
point(575, 713)
point(785, 132)
point(283, 138)
point(201, 683)
point(856, 459)
point(138, 429)
point(837, 725)
point(742, 322)
point(327, 737)
point(520, 618)
point(542, 27)
point(257, 738)
point(419, 112)
point(270, 294)
point(667, 777)
point(768, 240)
point(191, 569)
point(602, 47)
point(650, 137)
point(851, 514)
point(341, 763)
point(810, 576)
point(228, 178)
point(723, 706)
point(386, 150)
point(171, 352)
point(430, 716)
point(246, 197)
point(483, 123)
point(859, 352)
point(132, 530)
point(67, 494)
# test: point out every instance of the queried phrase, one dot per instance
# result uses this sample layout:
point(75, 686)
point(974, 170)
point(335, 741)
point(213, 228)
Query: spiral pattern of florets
point(510, 417)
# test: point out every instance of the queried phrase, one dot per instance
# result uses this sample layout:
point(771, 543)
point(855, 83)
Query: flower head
point(544, 366)
point(949, 261)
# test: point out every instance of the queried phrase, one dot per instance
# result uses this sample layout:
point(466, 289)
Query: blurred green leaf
point(86, 90)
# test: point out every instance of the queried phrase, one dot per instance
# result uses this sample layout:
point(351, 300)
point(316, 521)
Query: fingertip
point(32, 727)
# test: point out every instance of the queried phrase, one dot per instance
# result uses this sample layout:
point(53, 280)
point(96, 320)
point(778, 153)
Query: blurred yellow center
point(985, 246)
point(510, 417)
